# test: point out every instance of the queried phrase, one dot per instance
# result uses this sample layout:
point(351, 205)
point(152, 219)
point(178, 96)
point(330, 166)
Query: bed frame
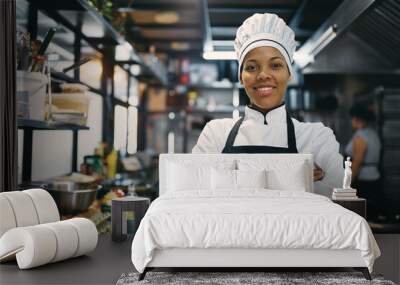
point(248, 259)
point(261, 259)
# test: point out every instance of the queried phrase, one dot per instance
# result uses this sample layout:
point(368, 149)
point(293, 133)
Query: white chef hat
point(265, 30)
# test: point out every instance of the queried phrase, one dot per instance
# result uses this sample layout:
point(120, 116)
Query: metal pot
point(71, 197)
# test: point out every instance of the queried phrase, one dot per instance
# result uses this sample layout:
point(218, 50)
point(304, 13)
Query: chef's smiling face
point(265, 76)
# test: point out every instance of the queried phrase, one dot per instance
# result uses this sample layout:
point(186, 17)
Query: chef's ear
point(240, 74)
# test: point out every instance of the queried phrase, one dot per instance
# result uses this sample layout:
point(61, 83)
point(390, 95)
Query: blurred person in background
point(364, 148)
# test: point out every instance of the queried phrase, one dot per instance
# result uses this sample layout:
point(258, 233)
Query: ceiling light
point(219, 55)
point(180, 46)
point(135, 69)
point(303, 58)
point(224, 44)
point(324, 40)
point(123, 51)
point(125, 9)
point(168, 17)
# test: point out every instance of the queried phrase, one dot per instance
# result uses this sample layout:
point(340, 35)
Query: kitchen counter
point(102, 266)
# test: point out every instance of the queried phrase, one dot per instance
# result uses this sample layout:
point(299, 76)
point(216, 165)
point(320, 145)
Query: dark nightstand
point(126, 214)
point(358, 206)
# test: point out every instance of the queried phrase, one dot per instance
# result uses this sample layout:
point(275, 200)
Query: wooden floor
point(102, 266)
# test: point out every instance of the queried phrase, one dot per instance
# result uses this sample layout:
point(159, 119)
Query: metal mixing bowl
point(71, 197)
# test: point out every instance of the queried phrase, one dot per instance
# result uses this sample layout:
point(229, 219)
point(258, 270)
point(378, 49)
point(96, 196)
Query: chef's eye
point(277, 65)
point(250, 67)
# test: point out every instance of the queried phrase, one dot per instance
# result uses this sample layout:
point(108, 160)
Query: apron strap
point(233, 133)
point(291, 135)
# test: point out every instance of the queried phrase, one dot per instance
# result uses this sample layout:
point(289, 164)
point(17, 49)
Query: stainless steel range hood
point(361, 37)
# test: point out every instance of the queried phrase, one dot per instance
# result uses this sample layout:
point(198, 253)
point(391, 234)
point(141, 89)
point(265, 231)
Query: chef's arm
point(206, 142)
point(334, 171)
point(327, 156)
point(359, 149)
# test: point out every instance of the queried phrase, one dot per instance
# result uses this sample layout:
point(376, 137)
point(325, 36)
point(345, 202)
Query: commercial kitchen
point(98, 97)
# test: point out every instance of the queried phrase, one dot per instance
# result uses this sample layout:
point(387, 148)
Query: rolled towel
point(87, 235)
point(45, 206)
point(33, 246)
point(7, 218)
point(40, 244)
point(23, 208)
point(67, 240)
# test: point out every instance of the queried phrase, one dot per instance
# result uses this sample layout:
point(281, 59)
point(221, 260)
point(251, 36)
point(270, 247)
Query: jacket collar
point(275, 115)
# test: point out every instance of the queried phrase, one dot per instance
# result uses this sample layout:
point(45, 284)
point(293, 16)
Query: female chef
point(264, 46)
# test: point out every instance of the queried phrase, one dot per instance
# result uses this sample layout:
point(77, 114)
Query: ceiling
point(367, 40)
point(184, 31)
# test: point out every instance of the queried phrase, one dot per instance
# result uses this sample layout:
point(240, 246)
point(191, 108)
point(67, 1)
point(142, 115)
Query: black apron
point(230, 148)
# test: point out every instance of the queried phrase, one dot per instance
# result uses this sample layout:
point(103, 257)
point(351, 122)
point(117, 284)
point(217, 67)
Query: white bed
point(202, 220)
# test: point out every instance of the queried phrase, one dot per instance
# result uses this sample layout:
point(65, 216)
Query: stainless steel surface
point(70, 197)
point(380, 27)
point(367, 40)
point(342, 18)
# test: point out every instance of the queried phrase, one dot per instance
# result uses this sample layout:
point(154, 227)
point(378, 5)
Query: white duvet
point(256, 218)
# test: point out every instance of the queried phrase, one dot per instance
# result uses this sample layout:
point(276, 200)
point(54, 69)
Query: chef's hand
point(318, 173)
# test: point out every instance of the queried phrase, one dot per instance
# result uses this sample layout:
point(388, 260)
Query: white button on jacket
point(312, 138)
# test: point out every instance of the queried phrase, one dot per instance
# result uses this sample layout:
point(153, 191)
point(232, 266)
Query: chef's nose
point(263, 74)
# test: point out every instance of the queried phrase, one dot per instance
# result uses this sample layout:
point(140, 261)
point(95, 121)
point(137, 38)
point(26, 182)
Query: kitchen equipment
point(126, 214)
point(70, 107)
point(31, 91)
point(43, 47)
point(72, 197)
point(78, 64)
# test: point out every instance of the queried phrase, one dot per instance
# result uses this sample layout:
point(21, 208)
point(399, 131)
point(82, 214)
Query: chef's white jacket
point(312, 138)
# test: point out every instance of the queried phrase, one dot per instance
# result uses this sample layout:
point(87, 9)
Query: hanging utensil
point(43, 47)
point(77, 64)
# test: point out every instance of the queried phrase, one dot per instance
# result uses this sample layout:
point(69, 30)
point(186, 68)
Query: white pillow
point(251, 178)
point(292, 178)
point(285, 174)
point(223, 179)
point(228, 179)
point(188, 177)
point(194, 174)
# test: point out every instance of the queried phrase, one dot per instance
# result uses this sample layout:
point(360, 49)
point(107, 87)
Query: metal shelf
point(149, 76)
point(29, 126)
point(63, 77)
point(83, 19)
point(147, 73)
point(47, 125)
point(94, 26)
point(198, 111)
point(230, 86)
